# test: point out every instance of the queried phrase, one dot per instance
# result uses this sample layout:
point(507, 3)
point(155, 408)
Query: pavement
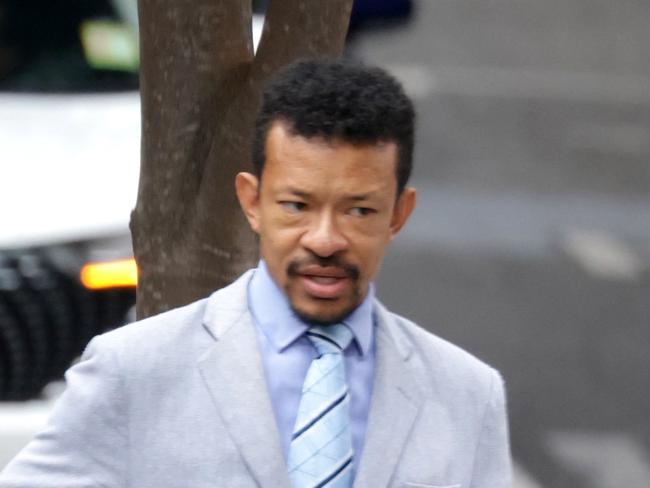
point(530, 245)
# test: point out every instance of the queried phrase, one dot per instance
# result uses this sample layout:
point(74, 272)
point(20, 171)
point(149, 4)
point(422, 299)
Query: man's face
point(324, 212)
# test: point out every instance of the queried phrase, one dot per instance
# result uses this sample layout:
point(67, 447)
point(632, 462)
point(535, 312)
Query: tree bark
point(200, 87)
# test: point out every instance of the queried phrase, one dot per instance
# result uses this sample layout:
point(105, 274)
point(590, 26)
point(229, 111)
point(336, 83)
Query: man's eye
point(292, 207)
point(360, 211)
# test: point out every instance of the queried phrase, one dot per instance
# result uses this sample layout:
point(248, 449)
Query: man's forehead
point(335, 163)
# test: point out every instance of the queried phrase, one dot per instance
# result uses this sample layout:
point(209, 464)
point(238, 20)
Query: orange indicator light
point(113, 274)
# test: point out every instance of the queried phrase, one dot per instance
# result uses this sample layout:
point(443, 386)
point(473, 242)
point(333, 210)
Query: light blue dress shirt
point(287, 355)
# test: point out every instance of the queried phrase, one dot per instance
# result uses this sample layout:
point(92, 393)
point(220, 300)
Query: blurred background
point(530, 246)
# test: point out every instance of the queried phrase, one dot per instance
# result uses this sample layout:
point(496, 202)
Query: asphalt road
point(530, 246)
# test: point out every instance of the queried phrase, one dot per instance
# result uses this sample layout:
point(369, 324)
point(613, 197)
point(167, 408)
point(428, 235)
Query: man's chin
point(322, 311)
point(322, 315)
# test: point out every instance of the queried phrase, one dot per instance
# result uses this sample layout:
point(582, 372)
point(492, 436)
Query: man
point(294, 375)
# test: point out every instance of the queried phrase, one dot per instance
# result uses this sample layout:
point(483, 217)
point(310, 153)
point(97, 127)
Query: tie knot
point(330, 339)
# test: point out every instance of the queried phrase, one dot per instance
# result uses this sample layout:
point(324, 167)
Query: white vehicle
point(69, 154)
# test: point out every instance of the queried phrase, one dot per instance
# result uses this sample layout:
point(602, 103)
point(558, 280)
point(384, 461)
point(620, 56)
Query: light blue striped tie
point(320, 454)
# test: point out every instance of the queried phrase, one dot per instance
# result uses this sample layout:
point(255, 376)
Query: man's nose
point(324, 238)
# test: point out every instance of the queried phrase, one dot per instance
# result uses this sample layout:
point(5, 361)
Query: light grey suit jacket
point(179, 400)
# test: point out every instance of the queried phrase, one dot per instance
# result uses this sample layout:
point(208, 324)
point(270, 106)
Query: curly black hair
point(336, 99)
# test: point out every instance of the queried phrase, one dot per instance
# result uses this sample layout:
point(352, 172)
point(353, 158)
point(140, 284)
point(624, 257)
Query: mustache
point(350, 270)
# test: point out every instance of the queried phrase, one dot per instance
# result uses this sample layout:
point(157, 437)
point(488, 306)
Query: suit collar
point(226, 306)
point(396, 401)
point(394, 335)
point(233, 373)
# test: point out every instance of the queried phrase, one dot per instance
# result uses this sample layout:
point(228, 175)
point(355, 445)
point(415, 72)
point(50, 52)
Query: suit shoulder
point(455, 364)
point(156, 333)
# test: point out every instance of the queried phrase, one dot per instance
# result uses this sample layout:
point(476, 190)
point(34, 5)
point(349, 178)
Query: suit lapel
point(233, 373)
point(395, 404)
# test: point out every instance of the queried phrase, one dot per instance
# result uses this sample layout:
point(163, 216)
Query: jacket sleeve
point(84, 444)
point(492, 462)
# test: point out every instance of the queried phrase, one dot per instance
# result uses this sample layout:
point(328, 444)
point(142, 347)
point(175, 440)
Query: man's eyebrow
point(295, 192)
point(355, 197)
point(360, 197)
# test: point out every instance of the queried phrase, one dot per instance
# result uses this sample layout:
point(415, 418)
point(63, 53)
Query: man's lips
point(323, 271)
point(324, 282)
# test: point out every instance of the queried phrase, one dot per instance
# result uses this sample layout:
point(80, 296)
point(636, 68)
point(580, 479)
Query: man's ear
point(403, 209)
point(247, 187)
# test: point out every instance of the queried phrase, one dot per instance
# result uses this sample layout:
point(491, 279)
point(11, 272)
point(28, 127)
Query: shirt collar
point(271, 310)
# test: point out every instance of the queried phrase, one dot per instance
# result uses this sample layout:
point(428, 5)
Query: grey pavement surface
point(530, 246)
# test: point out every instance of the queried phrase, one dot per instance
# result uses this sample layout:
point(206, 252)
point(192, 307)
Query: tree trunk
point(200, 85)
